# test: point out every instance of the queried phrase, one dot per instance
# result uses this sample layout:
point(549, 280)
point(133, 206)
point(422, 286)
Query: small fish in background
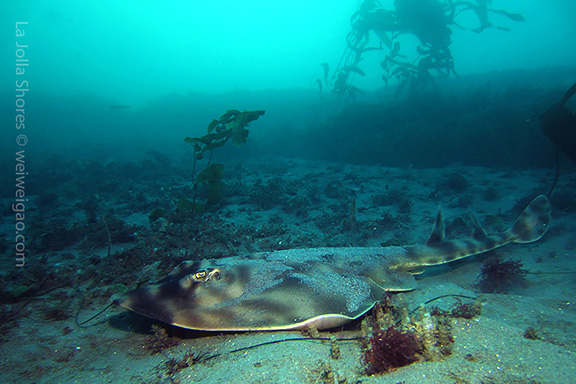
point(119, 106)
point(559, 124)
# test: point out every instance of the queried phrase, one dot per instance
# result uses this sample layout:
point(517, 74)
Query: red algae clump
point(391, 348)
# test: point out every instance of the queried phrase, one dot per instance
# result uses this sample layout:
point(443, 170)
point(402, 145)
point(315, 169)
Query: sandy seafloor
point(490, 348)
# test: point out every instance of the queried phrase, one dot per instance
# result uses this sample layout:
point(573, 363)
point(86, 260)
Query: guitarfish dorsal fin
point(439, 230)
point(478, 232)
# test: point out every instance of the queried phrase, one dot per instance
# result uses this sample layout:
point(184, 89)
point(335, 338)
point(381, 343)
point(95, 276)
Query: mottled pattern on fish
point(320, 287)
